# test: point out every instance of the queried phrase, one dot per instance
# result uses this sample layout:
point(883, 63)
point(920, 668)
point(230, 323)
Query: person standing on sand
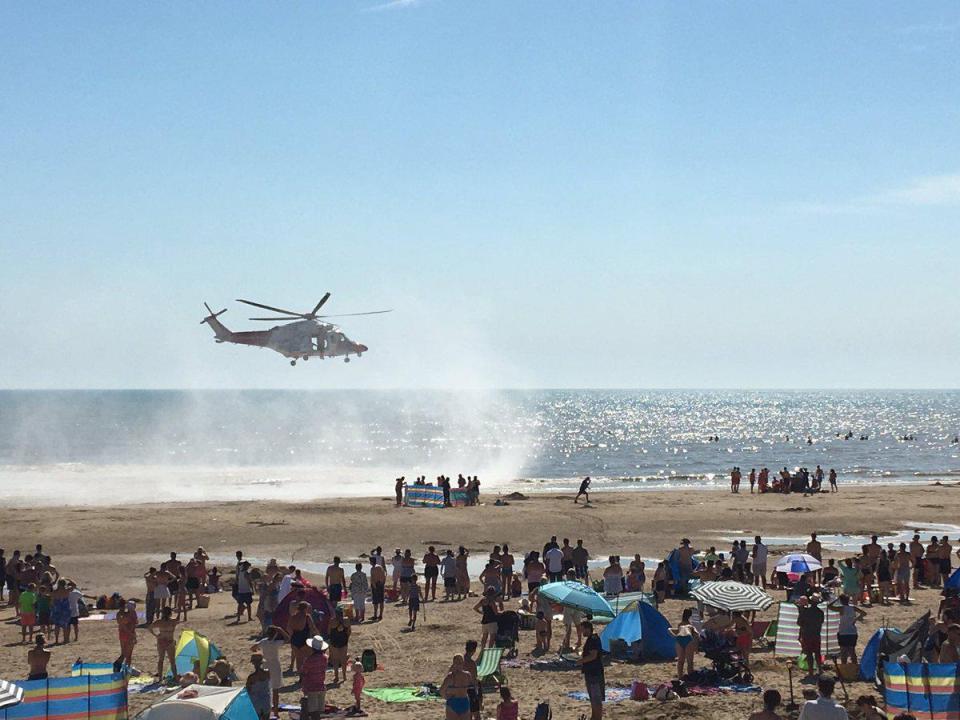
point(686, 637)
point(463, 574)
point(431, 571)
point(313, 678)
point(455, 688)
point(334, 581)
point(474, 692)
point(759, 554)
point(359, 586)
point(37, 658)
point(127, 622)
point(584, 490)
point(580, 559)
point(506, 570)
point(163, 630)
point(398, 490)
point(269, 647)
point(810, 621)
point(448, 568)
point(378, 585)
point(300, 627)
point(591, 664)
point(832, 478)
point(489, 609)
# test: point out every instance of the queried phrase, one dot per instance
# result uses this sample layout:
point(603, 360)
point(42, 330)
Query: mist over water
point(111, 446)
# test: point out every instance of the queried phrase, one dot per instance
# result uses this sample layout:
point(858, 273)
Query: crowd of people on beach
point(802, 480)
point(45, 602)
point(468, 486)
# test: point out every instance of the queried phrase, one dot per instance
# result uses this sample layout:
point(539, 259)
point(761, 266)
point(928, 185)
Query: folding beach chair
point(761, 633)
point(489, 672)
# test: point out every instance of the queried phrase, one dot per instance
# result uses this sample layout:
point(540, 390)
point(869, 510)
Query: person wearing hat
point(313, 678)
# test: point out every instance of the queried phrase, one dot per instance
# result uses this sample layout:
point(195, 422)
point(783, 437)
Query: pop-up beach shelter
point(203, 702)
point(646, 626)
point(193, 647)
point(953, 582)
point(890, 644)
point(322, 607)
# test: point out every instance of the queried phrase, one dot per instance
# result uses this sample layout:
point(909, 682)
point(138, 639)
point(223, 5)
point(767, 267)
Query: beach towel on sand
point(398, 695)
point(614, 695)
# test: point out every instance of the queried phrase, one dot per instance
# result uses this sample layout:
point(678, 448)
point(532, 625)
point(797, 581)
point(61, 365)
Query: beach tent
point(93, 696)
point(953, 582)
point(673, 563)
point(890, 643)
point(924, 690)
point(193, 647)
point(203, 702)
point(788, 632)
point(646, 626)
point(323, 609)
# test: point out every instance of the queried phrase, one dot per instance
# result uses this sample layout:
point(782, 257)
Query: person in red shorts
point(810, 621)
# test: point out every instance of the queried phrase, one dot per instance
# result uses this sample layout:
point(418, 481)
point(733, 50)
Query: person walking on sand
point(584, 490)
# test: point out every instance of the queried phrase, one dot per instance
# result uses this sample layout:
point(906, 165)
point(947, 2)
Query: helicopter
point(303, 336)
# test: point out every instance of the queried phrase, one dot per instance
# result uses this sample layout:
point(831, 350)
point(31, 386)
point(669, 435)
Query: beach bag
point(849, 672)
point(203, 601)
point(542, 712)
point(639, 691)
point(368, 659)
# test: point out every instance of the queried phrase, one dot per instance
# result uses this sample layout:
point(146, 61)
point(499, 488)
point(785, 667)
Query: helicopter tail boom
point(219, 329)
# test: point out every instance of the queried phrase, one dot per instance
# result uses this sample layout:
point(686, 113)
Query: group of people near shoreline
point(173, 589)
point(469, 486)
point(802, 480)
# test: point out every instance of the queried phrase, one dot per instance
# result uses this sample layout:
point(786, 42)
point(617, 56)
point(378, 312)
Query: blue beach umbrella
point(577, 595)
point(798, 563)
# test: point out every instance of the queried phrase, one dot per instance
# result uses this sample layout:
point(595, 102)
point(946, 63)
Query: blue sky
point(549, 194)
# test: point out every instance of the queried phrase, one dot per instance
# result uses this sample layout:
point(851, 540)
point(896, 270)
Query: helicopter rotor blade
point(320, 304)
point(268, 307)
point(282, 319)
point(373, 312)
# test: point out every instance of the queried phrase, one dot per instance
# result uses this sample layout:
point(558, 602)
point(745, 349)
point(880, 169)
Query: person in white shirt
point(359, 586)
point(448, 569)
point(74, 598)
point(554, 561)
point(759, 566)
point(286, 584)
point(824, 707)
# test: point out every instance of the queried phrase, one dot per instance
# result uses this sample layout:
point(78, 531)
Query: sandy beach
point(106, 549)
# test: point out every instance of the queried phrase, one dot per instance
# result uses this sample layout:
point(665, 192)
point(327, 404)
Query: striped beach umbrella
point(10, 694)
point(798, 563)
point(730, 596)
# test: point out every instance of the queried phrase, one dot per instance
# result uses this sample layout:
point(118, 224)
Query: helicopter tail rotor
point(211, 315)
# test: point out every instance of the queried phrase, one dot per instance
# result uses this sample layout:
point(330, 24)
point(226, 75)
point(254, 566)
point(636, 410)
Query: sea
point(105, 447)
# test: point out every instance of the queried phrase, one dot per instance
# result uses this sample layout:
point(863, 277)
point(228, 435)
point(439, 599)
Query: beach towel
point(928, 691)
point(788, 633)
point(110, 617)
point(614, 695)
point(399, 694)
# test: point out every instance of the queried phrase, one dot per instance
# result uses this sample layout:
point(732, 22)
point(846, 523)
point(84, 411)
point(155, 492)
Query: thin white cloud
point(930, 191)
point(935, 190)
point(393, 5)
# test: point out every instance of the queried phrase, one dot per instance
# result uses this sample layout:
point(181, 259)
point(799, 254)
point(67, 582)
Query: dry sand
point(107, 549)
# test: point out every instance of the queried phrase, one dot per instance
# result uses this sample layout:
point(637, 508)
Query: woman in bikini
point(687, 638)
point(454, 690)
point(127, 630)
point(300, 627)
point(163, 630)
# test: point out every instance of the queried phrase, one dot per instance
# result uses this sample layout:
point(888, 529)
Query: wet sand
point(107, 549)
